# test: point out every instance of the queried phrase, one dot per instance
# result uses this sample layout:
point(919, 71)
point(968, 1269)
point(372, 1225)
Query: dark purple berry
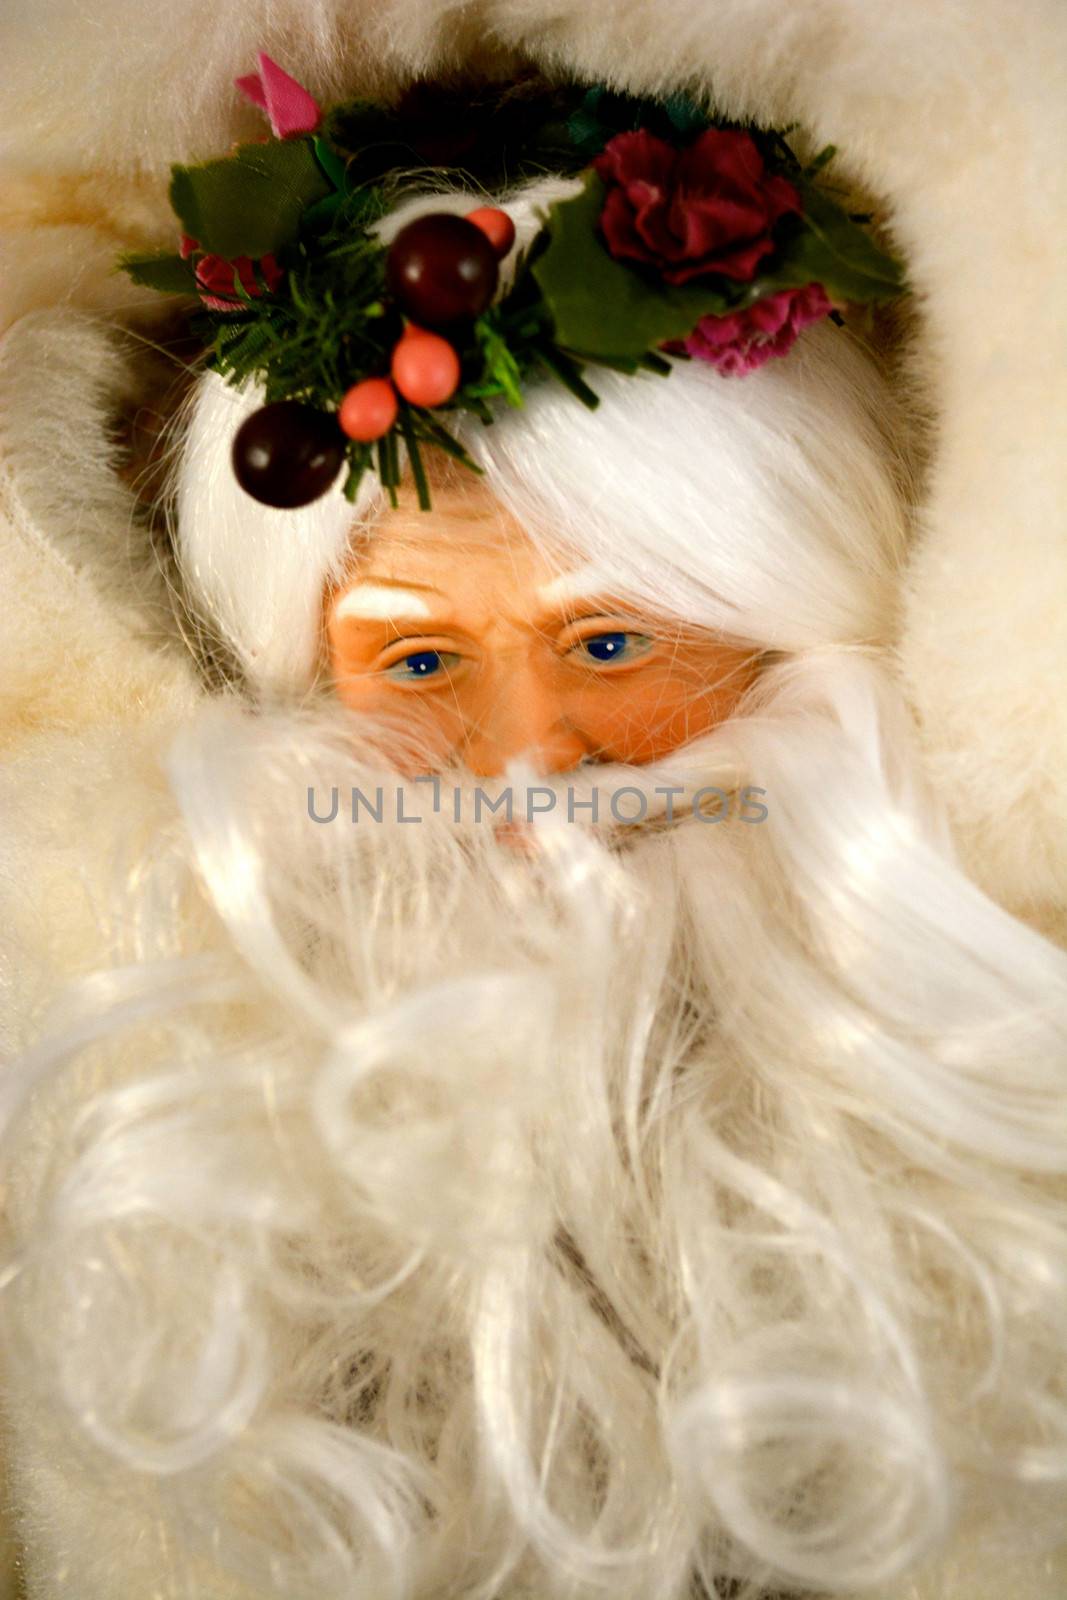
point(441, 269)
point(287, 454)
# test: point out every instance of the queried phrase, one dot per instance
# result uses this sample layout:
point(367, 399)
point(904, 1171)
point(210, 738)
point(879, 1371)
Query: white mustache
point(611, 796)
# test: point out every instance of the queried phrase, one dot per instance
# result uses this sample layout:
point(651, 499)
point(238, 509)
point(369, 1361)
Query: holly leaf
point(688, 118)
point(829, 248)
point(169, 274)
point(603, 112)
point(250, 203)
point(606, 310)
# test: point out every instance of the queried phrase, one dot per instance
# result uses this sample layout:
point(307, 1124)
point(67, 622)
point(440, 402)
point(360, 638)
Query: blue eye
point(422, 664)
point(608, 647)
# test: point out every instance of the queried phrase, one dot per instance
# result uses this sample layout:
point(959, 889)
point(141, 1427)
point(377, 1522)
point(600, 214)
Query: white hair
point(796, 446)
point(665, 1206)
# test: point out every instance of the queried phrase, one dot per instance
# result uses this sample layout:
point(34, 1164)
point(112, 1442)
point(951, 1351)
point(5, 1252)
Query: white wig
point(662, 1208)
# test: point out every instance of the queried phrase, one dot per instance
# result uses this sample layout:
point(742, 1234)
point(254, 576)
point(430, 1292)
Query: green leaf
point(360, 457)
point(323, 212)
point(445, 441)
point(332, 166)
point(388, 467)
point(475, 402)
point(251, 203)
point(601, 113)
point(418, 470)
point(832, 250)
point(824, 157)
point(601, 308)
point(586, 132)
point(569, 374)
point(242, 347)
point(687, 117)
point(502, 371)
point(167, 273)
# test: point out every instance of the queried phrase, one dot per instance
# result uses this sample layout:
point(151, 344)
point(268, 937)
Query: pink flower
point(290, 108)
point(744, 340)
point(710, 208)
point(216, 277)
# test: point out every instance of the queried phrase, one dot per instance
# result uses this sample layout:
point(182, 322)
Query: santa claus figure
point(535, 1003)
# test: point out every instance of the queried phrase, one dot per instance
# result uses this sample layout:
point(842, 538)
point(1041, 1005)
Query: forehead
point(467, 536)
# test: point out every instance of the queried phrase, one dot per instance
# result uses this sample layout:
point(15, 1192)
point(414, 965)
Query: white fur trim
point(254, 573)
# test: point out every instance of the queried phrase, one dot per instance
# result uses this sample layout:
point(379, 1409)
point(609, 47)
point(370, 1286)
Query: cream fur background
point(955, 116)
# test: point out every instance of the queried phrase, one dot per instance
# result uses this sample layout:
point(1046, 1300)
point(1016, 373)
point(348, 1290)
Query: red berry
point(497, 227)
point(287, 454)
point(425, 369)
point(441, 269)
point(368, 410)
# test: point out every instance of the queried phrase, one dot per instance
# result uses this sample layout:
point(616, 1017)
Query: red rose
point(216, 277)
point(709, 208)
point(744, 340)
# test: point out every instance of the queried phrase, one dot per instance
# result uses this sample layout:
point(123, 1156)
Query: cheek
point(643, 716)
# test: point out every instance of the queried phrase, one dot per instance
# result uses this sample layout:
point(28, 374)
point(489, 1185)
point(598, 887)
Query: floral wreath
point(689, 238)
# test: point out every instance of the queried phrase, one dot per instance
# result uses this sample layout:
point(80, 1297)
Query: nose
point(519, 715)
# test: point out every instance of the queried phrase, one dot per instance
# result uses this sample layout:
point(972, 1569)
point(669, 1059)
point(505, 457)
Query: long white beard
point(450, 1212)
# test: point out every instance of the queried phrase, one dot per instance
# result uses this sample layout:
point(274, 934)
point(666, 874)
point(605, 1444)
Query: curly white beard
point(420, 1214)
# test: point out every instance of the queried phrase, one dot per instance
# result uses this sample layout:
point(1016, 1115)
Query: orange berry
point(497, 227)
point(368, 410)
point(425, 368)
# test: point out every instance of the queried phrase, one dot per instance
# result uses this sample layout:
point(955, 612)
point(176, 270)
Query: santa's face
point(455, 622)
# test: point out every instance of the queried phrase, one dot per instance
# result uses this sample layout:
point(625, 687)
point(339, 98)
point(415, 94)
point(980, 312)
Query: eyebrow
point(579, 585)
point(374, 598)
point(394, 583)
